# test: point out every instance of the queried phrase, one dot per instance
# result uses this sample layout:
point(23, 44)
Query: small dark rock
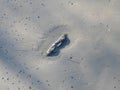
point(72, 87)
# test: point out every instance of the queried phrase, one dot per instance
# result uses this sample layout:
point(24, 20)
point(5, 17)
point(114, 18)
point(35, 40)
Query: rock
point(56, 44)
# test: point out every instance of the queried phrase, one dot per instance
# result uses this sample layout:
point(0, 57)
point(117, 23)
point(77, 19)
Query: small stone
point(72, 87)
point(38, 17)
point(70, 57)
point(48, 84)
point(7, 78)
point(30, 87)
point(72, 77)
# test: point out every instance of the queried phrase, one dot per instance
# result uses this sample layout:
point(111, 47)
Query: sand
point(89, 61)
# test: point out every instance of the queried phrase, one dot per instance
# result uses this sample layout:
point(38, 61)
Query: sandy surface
point(91, 59)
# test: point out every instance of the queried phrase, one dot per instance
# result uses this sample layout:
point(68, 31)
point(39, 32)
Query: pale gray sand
point(91, 60)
